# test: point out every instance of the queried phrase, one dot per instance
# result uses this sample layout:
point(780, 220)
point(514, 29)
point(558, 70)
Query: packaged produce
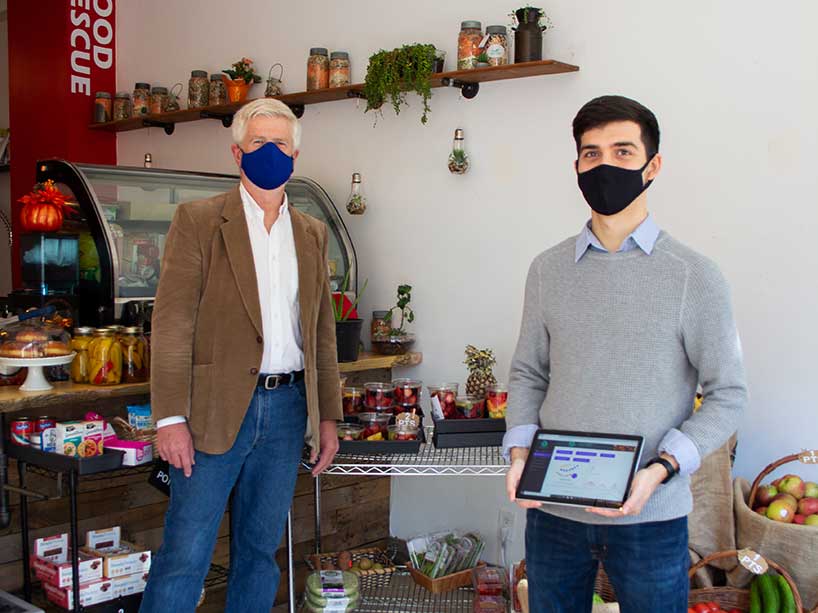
point(407, 392)
point(402, 433)
point(441, 554)
point(352, 400)
point(489, 581)
point(350, 432)
point(140, 416)
point(469, 407)
point(497, 400)
point(332, 590)
point(379, 395)
point(375, 425)
point(446, 395)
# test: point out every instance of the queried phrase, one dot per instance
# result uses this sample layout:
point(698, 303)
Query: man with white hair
point(244, 368)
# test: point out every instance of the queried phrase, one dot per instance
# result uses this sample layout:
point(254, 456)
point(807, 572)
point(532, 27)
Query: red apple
point(808, 506)
point(781, 511)
point(812, 520)
point(765, 494)
point(761, 511)
point(799, 519)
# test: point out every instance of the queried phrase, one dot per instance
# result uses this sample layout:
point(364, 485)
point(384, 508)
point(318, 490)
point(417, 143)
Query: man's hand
point(515, 471)
point(644, 484)
point(328, 442)
point(175, 445)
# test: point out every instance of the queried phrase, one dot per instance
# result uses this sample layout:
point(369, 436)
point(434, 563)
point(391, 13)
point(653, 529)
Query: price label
point(808, 457)
point(752, 561)
point(437, 410)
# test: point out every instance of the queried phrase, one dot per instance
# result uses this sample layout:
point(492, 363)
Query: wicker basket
point(128, 433)
point(317, 561)
point(448, 583)
point(767, 470)
point(729, 597)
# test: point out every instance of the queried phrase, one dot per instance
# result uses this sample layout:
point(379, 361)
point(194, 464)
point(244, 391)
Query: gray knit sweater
point(617, 342)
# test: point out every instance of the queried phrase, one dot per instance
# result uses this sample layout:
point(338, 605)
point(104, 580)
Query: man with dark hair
point(620, 325)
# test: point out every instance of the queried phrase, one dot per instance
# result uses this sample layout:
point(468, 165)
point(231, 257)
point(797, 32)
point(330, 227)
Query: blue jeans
point(261, 470)
point(646, 563)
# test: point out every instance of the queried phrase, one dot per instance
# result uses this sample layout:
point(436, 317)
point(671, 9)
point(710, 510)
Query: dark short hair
point(607, 109)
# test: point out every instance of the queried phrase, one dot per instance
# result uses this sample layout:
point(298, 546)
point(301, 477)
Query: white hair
point(265, 107)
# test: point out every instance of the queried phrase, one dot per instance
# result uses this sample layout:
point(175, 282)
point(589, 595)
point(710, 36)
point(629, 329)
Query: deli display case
point(121, 223)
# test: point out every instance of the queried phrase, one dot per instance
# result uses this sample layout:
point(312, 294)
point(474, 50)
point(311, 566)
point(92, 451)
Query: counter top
point(12, 399)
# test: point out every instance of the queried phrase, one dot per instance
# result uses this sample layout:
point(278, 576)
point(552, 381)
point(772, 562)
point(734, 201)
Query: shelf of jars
point(468, 81)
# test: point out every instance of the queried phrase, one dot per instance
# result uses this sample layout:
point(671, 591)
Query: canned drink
point(44, 423)
point(21, 429)
point(35, 440)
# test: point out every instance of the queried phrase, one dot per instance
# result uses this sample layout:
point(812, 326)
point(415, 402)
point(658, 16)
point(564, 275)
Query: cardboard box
point(69, 437)
point(52, 547)
point(136, 452)
point(129, 584)
point(90, 594)
point(92, 439)
point(119, 557)
point(60, 572)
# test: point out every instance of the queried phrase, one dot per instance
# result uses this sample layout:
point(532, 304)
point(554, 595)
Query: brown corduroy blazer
point(206, 337)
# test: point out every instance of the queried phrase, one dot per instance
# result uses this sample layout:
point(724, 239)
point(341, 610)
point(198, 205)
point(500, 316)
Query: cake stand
point(35, 380)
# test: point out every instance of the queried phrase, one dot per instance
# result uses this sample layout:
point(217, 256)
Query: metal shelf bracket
point(469, 90)
point(226, 118)
point(168, 126)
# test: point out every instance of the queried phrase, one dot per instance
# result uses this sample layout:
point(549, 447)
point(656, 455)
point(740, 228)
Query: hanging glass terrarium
point(458, 159)
point(356, 203)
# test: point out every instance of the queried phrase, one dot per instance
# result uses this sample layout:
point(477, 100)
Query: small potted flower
point(242, 77)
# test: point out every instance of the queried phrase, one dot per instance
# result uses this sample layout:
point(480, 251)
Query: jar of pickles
point(318, 69)
point(141, 99)
point(80, 366)
point(104, 358)
point(198, 89)
point(218, 92)
point(122, 106)
point(135, 355)
point(339, 69)
point(159, 99)
point(468, 44)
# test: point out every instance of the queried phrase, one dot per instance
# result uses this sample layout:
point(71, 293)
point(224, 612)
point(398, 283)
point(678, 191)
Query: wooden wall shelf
point(468, 81)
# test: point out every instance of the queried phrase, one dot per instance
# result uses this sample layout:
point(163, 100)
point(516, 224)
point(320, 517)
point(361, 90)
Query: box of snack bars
point(119, 557)
point(90, 594)
point(68, 437)
point(129, 584)
point(51, 562)
point(92, 437)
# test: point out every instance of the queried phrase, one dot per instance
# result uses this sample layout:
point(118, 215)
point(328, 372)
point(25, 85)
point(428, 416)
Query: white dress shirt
point(276, 268)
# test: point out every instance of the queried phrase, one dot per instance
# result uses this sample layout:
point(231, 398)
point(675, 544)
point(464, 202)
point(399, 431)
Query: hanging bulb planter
point(458, 158)
point(356, 203)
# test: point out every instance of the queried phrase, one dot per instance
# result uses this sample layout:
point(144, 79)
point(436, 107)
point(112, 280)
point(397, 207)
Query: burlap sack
point(710, 525)
point(794, 547)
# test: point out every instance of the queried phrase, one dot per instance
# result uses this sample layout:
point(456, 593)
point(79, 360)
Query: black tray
point(483, 432)
point(382, 447)
point(111, 459)
point(462, 426)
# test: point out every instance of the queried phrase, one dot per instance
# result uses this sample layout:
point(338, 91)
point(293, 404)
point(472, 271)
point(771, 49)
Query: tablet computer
point(581, 469)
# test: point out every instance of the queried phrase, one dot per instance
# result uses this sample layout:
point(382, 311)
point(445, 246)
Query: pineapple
point(479, 363)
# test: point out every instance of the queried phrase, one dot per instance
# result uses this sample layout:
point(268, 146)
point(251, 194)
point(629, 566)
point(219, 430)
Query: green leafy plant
point(243, 69)
point(338, 305)
point(522, 14)
point(406, 312)
point(483, 58)
point(391, 74)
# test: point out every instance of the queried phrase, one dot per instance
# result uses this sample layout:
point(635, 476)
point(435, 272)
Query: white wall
point(735, 88)
point(5, 193)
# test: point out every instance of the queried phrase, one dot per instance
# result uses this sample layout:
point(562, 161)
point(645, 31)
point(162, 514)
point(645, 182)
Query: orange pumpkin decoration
point(43, 209)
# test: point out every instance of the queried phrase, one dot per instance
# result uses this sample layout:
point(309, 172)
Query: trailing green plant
point(391, 74)
point(521, 16)
point(402, 306)
point(338, 305)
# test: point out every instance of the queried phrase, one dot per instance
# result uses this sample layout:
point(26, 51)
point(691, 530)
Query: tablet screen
point(580, 469)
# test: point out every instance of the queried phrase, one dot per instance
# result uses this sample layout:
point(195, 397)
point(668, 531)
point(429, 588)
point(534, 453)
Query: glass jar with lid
point(122, 106)
point(159, 99)
point(141, 99)
point(104, 358)
point(102, 107)
point(135, 355)
point(318, 69)
point(80, 366)
point(497, 45)
point(468, 44)
point(218, 92)
point(339, 69)
point(198, 89)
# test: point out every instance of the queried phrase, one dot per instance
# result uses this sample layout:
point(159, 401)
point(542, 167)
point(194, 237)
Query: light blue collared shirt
point(675, 442)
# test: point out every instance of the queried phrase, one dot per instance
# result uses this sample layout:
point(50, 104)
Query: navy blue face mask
point(268, 167)
point(610, 189)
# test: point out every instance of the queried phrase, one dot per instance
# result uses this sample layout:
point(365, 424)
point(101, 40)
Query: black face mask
point(610, 189)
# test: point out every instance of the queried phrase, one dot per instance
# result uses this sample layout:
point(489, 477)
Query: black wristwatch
point(671, 472)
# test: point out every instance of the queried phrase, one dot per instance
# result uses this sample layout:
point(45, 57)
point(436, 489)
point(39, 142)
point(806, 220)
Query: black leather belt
point(271, 382)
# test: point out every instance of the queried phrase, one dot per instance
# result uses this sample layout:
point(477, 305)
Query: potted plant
point(528, 23)
point(44, 208)
point(398, 341)
point(391, 74)
point(483, 60)
point(242, 77)
point(347, 322)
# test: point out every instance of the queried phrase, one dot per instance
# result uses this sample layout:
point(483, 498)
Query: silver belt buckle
point(276, 378)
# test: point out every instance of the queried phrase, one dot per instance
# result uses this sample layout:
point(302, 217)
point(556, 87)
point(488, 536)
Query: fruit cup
point(350, 432)
point(407, 391)
point(470, 407)
point(446, 393)
point(379, 395)
point(402, 433)
point(497, 400)
point(374, 425)
point(352, 400)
